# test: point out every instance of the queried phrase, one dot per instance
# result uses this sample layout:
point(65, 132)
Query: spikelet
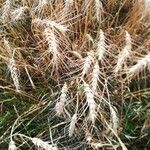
point(72, 124)
point(91, 103)
point(124, 54)
point(114, 119)
point(88, 61)
point(52, 43)
point(51, 24)
point(101, 46)
point(12, 66)
point(95, 77)
point(18, 14)
point(43, 145)
point(61, 103)
point(12, 145)
point(98, 10)
point(140, 66)
point(6, 11)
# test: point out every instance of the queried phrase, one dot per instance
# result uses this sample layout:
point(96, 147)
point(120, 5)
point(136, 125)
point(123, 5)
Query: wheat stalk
point(87, 63)
point(72, 124)
point(12, 145)
point(91, 103)
point(140, 66)
point(101, 46)
point(59, 107)
point(124, 54)
point(95, 77)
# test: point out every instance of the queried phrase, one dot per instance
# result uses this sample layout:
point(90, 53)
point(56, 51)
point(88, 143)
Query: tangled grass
point(74, 74)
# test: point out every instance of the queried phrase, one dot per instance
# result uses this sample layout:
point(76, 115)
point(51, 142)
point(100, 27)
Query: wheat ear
point(12, 66)
point(18, 14)
point(114, 118)
point(6, 10)
point(95, 77)
point(98, 10)
point(51, 24)
point(147, 7)
point(101, 49)
point(87, 63)
point(140, 66)
point(43, 145)
point(40, 6)
point(12, 145)
point(52, 43)
point(72, 124)
point(61, 103)
point(91, 103)
point(66, 9)
point(124, 54)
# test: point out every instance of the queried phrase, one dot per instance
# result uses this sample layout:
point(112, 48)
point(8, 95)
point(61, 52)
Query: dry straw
point(91, 103)
point(124, 54)
point(61, 103)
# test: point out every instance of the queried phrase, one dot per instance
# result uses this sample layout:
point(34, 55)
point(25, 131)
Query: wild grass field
point(74, 74)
